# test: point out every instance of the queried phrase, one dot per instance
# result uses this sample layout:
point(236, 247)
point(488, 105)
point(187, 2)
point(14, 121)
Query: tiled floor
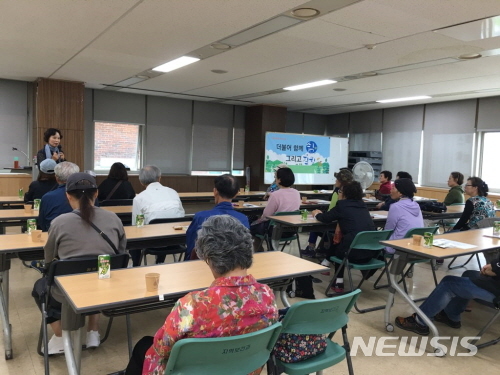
point(112, 355)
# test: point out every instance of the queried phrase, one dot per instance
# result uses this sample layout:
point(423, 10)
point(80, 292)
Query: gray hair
point(64, 170)
point(149, 174)
point(225, 244)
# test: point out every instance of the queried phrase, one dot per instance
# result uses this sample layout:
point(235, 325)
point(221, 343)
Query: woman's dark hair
point(352, 190)
point(46, 176)
point(482, 187)
point(49, 133)
point(402, 174)
point(387, 174)
point(118, 172)
point(86, 198)
point(458, 176)
point(286, 177)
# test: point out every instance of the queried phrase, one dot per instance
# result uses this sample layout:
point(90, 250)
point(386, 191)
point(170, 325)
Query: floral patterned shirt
point(230, 306)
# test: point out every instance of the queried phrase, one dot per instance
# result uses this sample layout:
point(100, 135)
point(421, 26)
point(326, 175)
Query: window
point(489, 168)
point(117, 143)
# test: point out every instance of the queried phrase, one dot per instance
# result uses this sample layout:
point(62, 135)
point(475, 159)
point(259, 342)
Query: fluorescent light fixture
point(404, 99)
point(176, 64)
point(310, 84)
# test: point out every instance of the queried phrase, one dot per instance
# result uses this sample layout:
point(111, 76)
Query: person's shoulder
point(64, 219)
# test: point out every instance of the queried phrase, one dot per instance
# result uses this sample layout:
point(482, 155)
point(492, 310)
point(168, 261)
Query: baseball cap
point(47, 166)
point(344, 175)
point(80, 181)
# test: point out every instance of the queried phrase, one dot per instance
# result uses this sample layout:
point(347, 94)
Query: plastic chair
point(116, 202)
point(69, 267)
point(235, 355)
point(325, 316)
point(286, 238)
point(409, 271)
point(167, 250)
point(369, 240)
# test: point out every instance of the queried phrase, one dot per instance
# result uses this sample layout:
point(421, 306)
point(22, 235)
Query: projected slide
point(312, 158)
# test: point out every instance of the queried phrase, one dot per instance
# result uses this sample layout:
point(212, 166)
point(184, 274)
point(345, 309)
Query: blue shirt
point(223, 208)
point(53, 204)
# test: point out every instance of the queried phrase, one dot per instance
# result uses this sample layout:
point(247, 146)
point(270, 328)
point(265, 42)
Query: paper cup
point(152, 281)
point(417, 240)
point(304, 199)
point(240, 203)
point(242, 190)
point(27, 208)
point(36, 235)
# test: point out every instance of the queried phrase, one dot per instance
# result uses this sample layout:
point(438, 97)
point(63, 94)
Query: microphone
point(27, 158)
point(59, 147)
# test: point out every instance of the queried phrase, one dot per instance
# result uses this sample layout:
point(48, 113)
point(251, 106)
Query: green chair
point(447, 226)
point(235, 355)
point(325, 316)
point(286, 238)
point(409, 271)
point(369, 240)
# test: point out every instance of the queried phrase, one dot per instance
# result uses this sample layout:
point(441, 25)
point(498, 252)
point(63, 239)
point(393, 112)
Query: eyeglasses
point(470, 185)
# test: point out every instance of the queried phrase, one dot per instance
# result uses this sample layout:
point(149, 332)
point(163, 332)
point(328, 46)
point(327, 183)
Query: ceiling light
point(404, 99)
point(309, 85)
point(220, 46)
point(176, 64)
point(305, 12)
point(469, 56)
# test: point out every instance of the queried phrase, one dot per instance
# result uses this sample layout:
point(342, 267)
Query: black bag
point(301, 287)
point(430, 206)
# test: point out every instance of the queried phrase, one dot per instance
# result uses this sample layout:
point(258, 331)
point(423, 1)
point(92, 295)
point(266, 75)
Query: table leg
point(284, 298)
point(398, 264)
point(72, 322)
point(68, 353)
point(4, 305)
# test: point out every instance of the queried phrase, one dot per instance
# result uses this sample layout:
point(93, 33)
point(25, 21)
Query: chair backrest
point(319, 316)
point(83, 265)
point(171, 219)
point(420, 231)
point(235, 355)
point(116, 202)
point(487, 222)
point(370, 240)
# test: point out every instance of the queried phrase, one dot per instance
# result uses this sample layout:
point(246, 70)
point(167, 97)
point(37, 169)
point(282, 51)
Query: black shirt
point(124, 191)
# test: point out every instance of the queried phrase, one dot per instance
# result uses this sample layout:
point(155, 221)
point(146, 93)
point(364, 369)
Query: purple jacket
point(403, 216)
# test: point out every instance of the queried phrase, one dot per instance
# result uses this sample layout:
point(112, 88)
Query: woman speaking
point(52, 150)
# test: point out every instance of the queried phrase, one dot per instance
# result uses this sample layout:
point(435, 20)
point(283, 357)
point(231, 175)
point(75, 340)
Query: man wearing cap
point(225, 189)
point(343, 177)
point(405, 214)
point(55, 203)
point(45, 182)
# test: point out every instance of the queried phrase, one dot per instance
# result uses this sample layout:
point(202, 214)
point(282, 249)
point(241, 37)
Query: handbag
point(292, 347)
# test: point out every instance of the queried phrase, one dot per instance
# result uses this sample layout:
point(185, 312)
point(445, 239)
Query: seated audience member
point(72, 236)
point(55, 203)
point(477, 207)
point(385, 182)
point(274, 186)
point(342, 177)
point(156, 202)
point(352, 217)
point(45, 182)
point(235, 303)
point(405, 214)
point(284, 199)
point(450, 298)
point(456, 193)
point(116, 186)
point(384, 206)
point(226, 188)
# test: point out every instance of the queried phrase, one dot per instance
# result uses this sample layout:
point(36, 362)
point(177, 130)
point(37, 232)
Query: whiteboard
point(313, 158)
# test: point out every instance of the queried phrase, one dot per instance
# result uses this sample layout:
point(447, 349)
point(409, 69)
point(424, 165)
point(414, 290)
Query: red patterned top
point(230, 306)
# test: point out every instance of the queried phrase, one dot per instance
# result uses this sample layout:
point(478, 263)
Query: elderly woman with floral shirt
point(234, 304)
